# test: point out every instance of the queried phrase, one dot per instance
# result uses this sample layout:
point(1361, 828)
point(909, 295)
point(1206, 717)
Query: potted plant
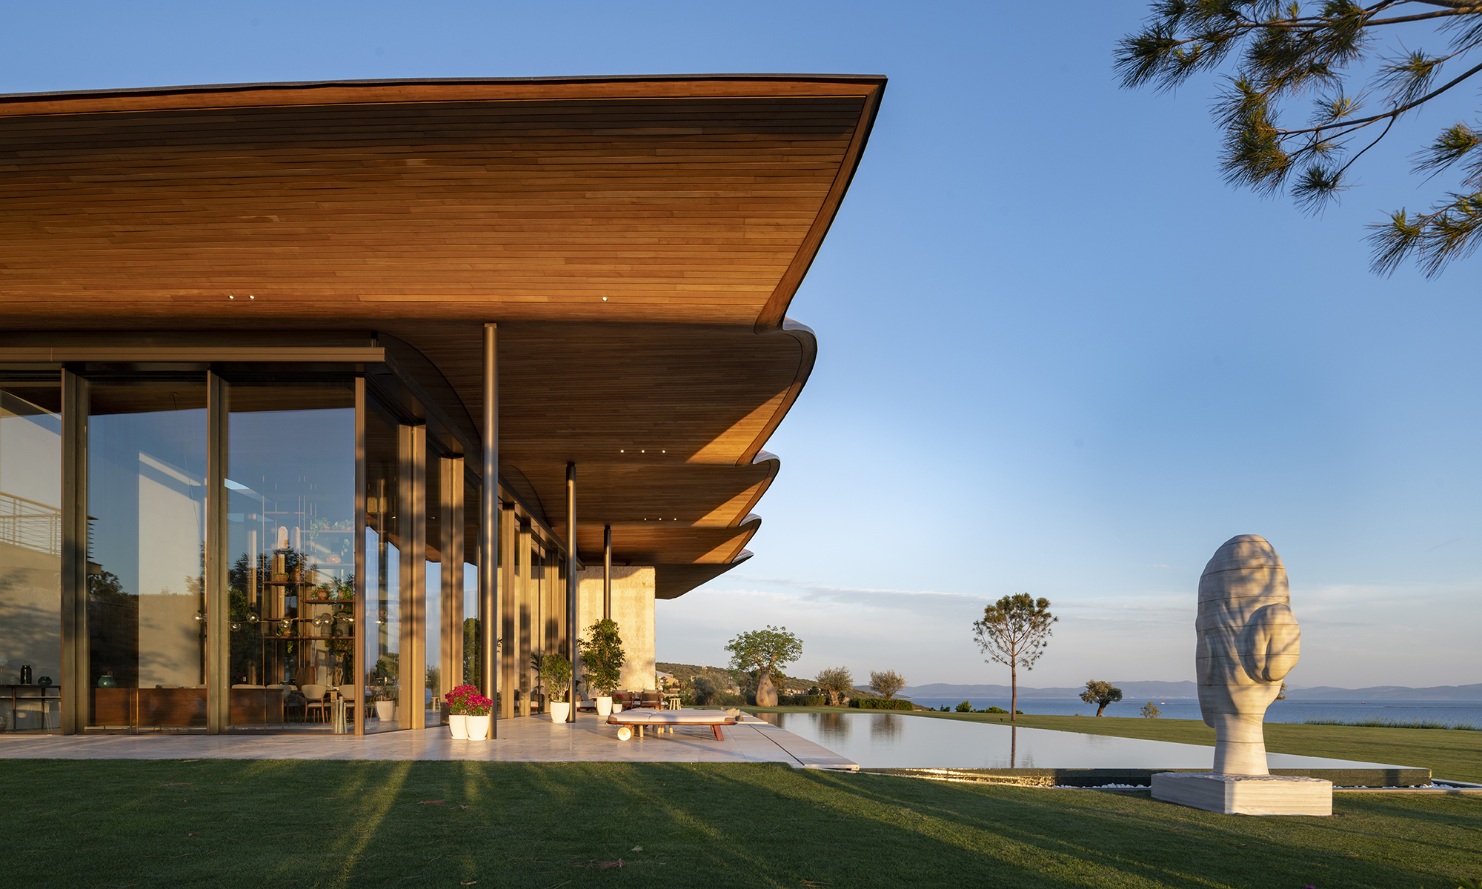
point(386, 702)
point(602, 660)
point(381, 682)
point(469, 713)
point(555, 672)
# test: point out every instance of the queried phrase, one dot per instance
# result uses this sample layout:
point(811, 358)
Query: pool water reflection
point(898, 741)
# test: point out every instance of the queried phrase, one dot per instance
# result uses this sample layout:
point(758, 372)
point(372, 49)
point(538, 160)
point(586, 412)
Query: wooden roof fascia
point(808, 345)
point(673, 581)
point(774, 312)
point(251, 95)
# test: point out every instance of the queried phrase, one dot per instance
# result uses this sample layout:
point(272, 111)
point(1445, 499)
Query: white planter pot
point(560, 711)
point(478, 727)
point(386, 711)
point(458, 725)
point(604, 705)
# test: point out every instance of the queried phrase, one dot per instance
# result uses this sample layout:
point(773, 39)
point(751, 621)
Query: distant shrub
point(881, 704)
point(809, 700)
point(1150, 710)
point(965, 707)
point(705, 690)
point(998, 710)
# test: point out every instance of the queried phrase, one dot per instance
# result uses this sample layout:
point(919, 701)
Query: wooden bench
point(628, 719)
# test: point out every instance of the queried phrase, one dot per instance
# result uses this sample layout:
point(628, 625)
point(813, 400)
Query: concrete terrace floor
point(526, 739)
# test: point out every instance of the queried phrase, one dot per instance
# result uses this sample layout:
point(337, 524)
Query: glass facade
point(254, 550)
point(30, 557)
point(290, 492)
point(383, 557)
point(146, 514)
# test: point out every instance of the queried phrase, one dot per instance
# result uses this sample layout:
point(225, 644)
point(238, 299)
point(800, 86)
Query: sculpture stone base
point(1245, 794)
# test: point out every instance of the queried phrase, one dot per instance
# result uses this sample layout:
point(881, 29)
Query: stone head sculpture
point(1248, 642)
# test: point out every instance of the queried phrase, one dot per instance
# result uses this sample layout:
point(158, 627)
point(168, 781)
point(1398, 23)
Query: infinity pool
point(898, 741)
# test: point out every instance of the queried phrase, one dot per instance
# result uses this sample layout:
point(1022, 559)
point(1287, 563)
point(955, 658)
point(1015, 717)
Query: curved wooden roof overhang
point(638, 241)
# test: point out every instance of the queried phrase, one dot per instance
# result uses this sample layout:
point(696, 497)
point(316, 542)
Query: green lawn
point(227, 823)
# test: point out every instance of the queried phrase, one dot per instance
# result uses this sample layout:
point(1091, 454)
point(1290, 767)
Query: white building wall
point(633, 609)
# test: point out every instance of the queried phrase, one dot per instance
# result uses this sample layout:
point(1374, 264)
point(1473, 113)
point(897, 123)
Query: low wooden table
point(628, 719)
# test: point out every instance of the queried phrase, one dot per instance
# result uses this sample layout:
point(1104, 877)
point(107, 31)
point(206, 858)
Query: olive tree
point(762, 653)
point(1100, 692)
point(1014, 631)
point(886, 684)
point(835, 682)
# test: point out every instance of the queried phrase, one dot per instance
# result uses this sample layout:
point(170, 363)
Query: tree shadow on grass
point(1132, 836)
point(332, 824)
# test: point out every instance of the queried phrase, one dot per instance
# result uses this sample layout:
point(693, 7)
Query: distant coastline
point(1154, 690)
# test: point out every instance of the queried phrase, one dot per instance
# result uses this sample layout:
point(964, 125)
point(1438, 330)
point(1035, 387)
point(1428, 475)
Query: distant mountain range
point(1162, 691)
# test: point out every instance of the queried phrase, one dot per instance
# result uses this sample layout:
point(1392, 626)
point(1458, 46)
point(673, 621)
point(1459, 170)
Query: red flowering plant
point(465, 700)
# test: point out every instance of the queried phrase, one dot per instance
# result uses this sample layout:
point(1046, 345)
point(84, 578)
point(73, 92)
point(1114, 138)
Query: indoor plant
point(386, 702)
point(555, 672)
point(602, 660)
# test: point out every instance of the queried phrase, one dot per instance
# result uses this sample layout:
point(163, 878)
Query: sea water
point(1289, 710)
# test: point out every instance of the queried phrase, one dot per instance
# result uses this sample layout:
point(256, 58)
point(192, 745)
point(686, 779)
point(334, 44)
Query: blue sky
point(1057, 354)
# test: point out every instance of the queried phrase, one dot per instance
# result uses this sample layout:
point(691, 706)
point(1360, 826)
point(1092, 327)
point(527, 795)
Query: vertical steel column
point(572, 631)
point(218, 603)
point(508, 642)
point(524, 587)
point(606, 572)
point(489, 611)
point(411, 678)
point(362, 592)
point(76, 690)
point(451, 648)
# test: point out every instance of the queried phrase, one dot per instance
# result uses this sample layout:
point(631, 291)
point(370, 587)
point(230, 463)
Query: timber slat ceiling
point(636, 239)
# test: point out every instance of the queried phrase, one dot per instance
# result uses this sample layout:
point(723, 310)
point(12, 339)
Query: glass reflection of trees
point(277, 639)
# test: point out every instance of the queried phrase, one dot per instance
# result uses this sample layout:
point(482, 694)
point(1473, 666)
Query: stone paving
point(528, 739)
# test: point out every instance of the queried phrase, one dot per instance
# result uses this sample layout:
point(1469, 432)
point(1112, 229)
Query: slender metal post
point(607, 572)
point(524, 586)
point(361, 633)
point(508, 641)
point(572, 631)
point(217, 602)
point(412, 665)
point(490, 617)
point(76, 689)
point(452, 574)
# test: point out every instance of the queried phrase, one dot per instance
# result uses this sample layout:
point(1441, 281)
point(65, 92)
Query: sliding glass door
point(290, 494)
point(146, 513)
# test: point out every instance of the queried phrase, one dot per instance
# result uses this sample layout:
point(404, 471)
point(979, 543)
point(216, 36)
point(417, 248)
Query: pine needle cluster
point(1317, 52)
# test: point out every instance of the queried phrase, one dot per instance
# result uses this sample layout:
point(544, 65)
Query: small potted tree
point(555, 672)
point(383, 680)
point(602, 660)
